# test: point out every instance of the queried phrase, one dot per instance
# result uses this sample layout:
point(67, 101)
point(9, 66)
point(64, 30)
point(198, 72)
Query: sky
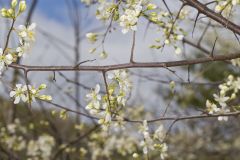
point(53, 9)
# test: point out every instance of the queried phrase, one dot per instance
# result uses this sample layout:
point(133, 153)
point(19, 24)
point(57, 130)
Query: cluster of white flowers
point(228, 92)
point(121, 77)
point(26, 36)
point(172, 33)
point(28, 93)
point(99, 106)
point(94, 100)
point(105, 145)
point(130, 18)
point(13, 12)
point(149, 141)
point(225, 5)
point(105, 10)
point(132, 12)
point(41, 149)
point(104, 106)
point(127, 16)
point(12, 136)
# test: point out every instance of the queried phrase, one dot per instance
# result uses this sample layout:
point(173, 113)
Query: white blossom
point(23, 49)
point(159, 133)
point(211, 107)
point(4, 60)
point(92, 37)
point(178, 50)
point(121, 76)
point(147, 143)
point(222, 99)
point(19, 93)
point(94, 99)
point(104, 10)
point(26, 34)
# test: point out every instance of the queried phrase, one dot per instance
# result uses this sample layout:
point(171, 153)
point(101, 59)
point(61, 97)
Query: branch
point(9, 35)
point(127, 65)
point(213, 15)
point(172, 118)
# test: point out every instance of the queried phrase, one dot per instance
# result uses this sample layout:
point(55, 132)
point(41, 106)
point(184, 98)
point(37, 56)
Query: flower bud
point(10, 12)
point(222, 92)
point(22, 6)
point(48, 98)
point(63, 114)
point(179, 37)
point(233, 96)
point(151, 6)
point(218, 8)
point(167, 41)
point(14, 3)
point(53, 112)
point(45, 97)
point(135, 155)
point(103, 55)
point(230, 77)
point(92, 50)
point(92, 37)
point(42, 86)
point(4, 13)
point(178, 50)
point(172, 85)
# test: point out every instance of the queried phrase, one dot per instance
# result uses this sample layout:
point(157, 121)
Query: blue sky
point(58, 10)
point(53, 9)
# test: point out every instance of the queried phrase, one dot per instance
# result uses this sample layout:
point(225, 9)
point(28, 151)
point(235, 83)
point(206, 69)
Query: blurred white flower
point(41, 148)
point(94, 99)
point(221, 99)
point(211, 107)
point(92, 37)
